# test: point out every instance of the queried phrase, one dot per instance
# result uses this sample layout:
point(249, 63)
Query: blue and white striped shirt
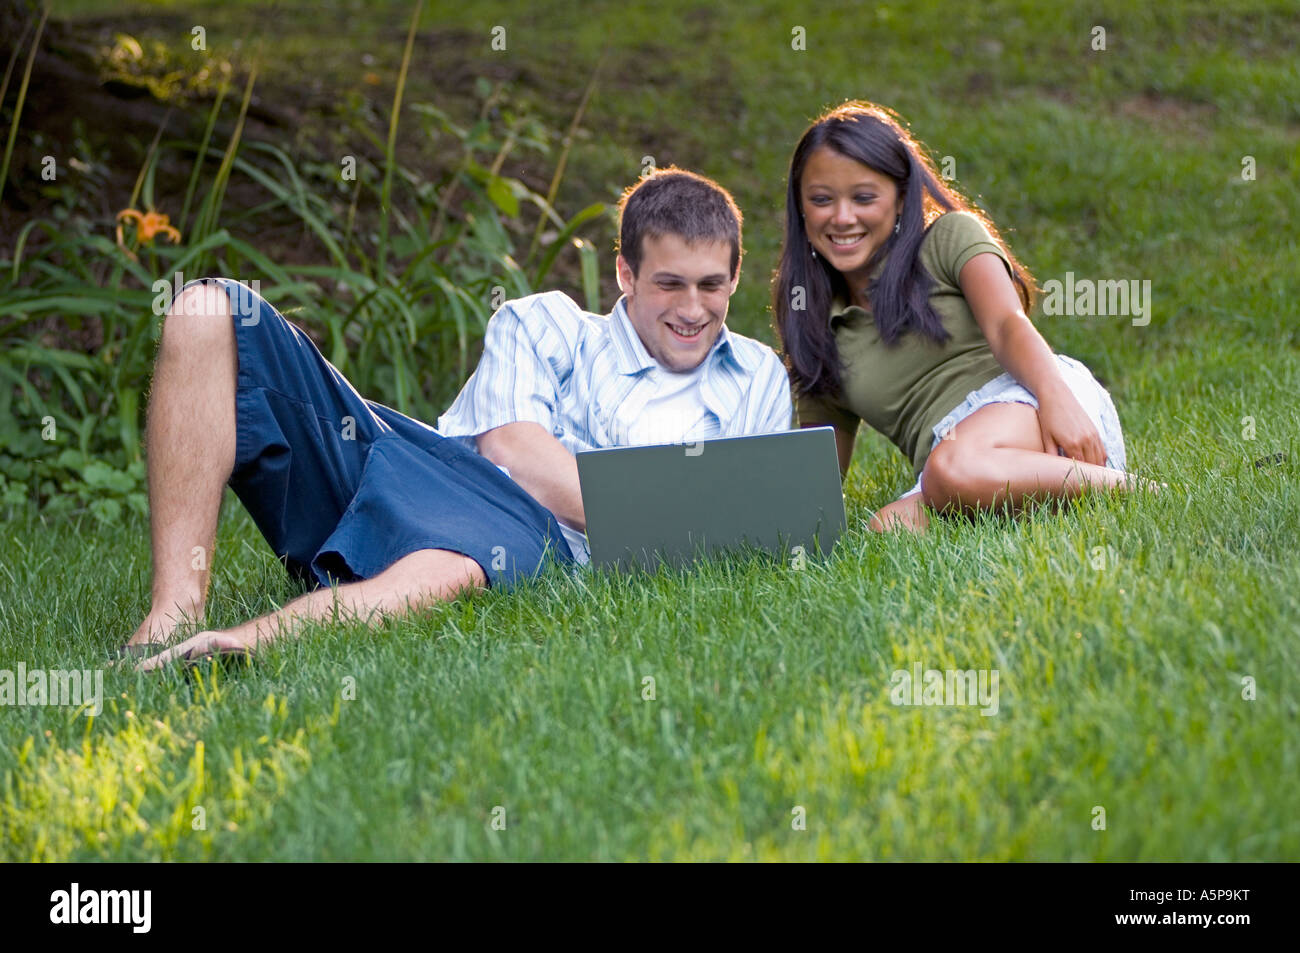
point(587, 379)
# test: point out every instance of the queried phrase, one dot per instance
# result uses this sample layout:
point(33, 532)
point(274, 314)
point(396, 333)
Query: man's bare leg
point(190, 451)
point(416, 580)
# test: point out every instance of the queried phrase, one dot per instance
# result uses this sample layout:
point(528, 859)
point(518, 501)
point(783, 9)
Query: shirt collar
point(631, 355)
point(844, 313)
point(841, 310)
point(633, 358)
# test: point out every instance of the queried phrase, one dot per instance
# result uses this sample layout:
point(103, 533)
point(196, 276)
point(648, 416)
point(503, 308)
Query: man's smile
point(687, 332)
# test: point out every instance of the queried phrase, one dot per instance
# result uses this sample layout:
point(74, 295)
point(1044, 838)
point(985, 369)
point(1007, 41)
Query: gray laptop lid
point(773, 491)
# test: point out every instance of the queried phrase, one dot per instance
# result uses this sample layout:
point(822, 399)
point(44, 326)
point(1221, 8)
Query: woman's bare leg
point(995, 457)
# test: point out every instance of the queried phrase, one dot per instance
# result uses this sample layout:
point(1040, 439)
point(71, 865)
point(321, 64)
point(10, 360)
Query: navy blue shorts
point(343, 487)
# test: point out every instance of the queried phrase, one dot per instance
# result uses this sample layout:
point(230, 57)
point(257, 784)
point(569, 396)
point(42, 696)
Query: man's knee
point(199, 317)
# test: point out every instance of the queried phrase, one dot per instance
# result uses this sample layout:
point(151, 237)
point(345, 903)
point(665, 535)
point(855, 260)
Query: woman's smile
point(847, 242)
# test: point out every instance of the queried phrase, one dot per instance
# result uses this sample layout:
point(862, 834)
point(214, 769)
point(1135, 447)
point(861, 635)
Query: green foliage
point(69, 482)
point(154, 65)
point(399, 305)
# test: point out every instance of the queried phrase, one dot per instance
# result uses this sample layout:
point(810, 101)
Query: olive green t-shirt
point(905, 389)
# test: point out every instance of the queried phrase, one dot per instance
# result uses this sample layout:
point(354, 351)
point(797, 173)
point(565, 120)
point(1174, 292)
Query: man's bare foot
point(162, 627)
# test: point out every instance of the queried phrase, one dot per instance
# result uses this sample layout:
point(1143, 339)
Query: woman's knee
point(947, 471)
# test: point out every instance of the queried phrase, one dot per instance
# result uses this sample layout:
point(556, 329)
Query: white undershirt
point(675, 414)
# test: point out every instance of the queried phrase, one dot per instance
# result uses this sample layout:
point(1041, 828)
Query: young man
point(347, 490)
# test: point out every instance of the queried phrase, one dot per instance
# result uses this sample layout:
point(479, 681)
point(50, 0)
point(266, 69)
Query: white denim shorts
point(1087, 391)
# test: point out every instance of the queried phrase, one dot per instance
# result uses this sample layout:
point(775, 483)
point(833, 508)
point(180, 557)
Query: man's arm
point(528, 352)
point(510, 403)
point(541, 465)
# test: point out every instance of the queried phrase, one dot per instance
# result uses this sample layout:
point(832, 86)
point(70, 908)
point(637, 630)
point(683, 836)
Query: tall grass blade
point(210, 211)
point(22, 97)
point(554, 189)
point(387, 190)
point(201, 156)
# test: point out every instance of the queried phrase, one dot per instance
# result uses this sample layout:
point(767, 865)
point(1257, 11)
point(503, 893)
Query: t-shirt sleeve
point(954, 239)
point(528, 353)
point(824, 409)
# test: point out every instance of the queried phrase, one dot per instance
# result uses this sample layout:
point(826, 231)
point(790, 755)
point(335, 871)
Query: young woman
point(898, 303)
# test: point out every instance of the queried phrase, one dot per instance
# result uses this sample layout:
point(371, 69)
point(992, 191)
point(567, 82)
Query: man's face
point(678, 302)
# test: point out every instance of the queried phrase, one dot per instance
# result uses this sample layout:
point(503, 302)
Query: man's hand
point(197, 647)
point(540, 464)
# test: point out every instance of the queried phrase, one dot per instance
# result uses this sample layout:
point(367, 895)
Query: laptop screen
point(674, 503)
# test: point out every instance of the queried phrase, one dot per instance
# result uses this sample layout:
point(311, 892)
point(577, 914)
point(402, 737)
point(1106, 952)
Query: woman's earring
point(813, 250)
point(897, 222)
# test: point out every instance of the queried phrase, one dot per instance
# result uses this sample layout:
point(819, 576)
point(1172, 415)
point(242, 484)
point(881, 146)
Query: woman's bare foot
point(1135, 482)
point(908, 513)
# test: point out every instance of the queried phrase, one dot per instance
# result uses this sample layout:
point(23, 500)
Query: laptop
point(674, 503)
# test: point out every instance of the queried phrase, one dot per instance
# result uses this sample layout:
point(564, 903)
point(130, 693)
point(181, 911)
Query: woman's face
point(849, 210)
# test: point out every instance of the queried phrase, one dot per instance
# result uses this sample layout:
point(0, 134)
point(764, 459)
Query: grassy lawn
point(1146, 647)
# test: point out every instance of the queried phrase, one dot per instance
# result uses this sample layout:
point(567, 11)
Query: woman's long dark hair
point(900, 298)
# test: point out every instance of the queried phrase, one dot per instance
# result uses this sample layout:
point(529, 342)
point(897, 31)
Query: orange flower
point(147, 225)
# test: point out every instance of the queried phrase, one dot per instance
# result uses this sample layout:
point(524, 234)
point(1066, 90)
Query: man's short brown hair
point(673, 201)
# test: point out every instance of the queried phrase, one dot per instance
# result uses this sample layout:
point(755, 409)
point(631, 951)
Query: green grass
point(1120, 687)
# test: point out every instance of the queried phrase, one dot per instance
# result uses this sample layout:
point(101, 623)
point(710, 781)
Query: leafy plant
point(399, 304)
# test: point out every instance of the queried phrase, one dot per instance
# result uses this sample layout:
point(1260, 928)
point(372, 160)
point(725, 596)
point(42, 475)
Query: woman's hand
point(1066, 425)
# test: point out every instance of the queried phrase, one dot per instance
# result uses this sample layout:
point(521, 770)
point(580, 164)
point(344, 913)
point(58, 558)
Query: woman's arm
point(843, 444)
point(1020, 349)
